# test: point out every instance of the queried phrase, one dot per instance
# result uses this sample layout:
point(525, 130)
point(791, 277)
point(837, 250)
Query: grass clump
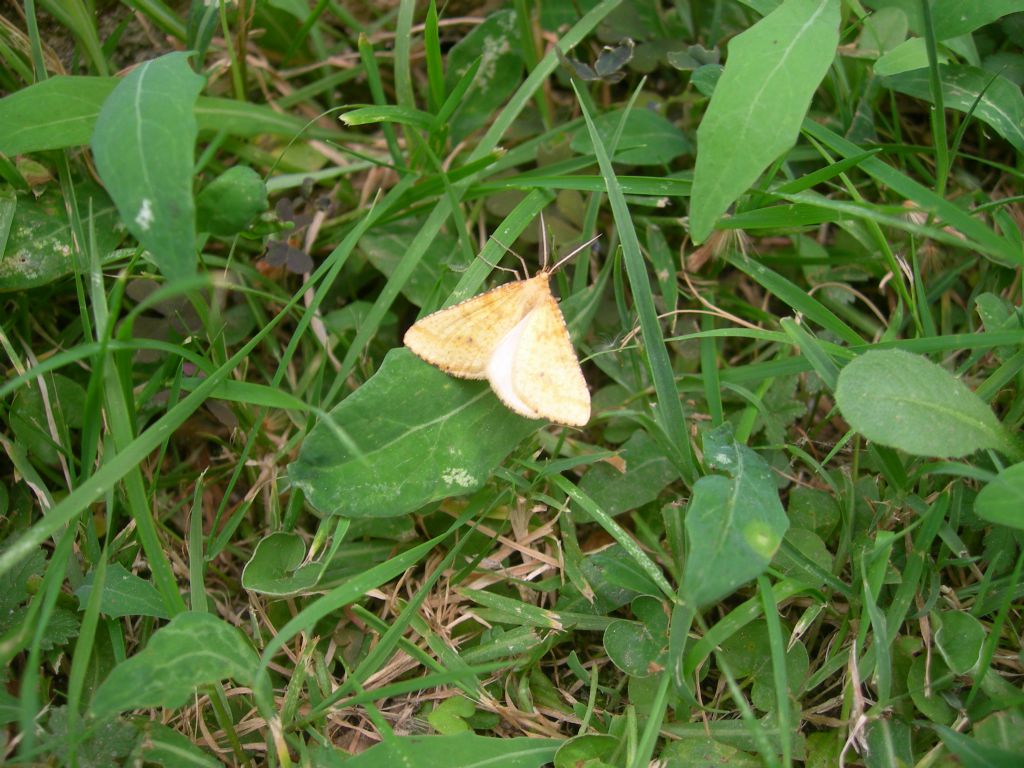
point(242, 524)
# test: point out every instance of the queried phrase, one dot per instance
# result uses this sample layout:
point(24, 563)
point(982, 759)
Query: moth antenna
point(515, 272)
point(543, 244)
point(574, 251)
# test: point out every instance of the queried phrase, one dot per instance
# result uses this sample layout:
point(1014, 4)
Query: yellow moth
point(515, 337)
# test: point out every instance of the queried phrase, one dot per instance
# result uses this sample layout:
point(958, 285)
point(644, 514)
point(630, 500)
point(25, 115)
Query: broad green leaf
point(231, 202)
point(888, 744)
point(882, 31)
point(797, 663)
point(450, 715)
point(1002, 729)
point(1001, 105)
point(1002, 500)
point(811, 547)
point(612, 578)
point(909, 55)
point(638, 478)
point(905, 401)
point(193, 649)
point(461, 750)
point(638, 647)
point(812, 509)
point(754, 116)
point(124, 594)
point(961, 640)
point(998, 314)
point(496, 44)
point(974, 753)
point(734, 524)
point(144, 142)
point(29, 122)
point(410, 435)
point(588, 750)
point(27, 117)
point(433, 277)
point(276, 566)
point(747, 650)
point(648, 138)
point(951, 18)
point(39, 245)
point(65, 401)
point(927, 681)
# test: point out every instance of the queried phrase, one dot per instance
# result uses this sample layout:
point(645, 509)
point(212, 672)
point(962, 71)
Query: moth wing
point(461, 339)
point(545, 373)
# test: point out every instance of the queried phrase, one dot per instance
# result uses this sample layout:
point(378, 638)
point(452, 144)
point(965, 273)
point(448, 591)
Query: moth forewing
point(461, 339)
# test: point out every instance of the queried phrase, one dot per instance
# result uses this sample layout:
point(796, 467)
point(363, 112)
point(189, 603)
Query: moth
point(515, 337)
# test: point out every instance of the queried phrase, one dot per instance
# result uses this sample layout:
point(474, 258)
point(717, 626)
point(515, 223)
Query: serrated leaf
point(734, 524)
point(410, 435)
point(124, 594)
point(193, 649)
point(14, 586)
point(905, 401)
point(771, 73)
point(230, 203)
point(144, 142)
point(104, 745)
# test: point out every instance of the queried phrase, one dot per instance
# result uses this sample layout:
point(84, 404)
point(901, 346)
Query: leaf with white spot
point(735, 521)
point(410, 435)
point(144, 145)
point(906, 401)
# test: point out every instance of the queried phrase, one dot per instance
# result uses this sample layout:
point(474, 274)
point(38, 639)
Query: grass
point(242, 524)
